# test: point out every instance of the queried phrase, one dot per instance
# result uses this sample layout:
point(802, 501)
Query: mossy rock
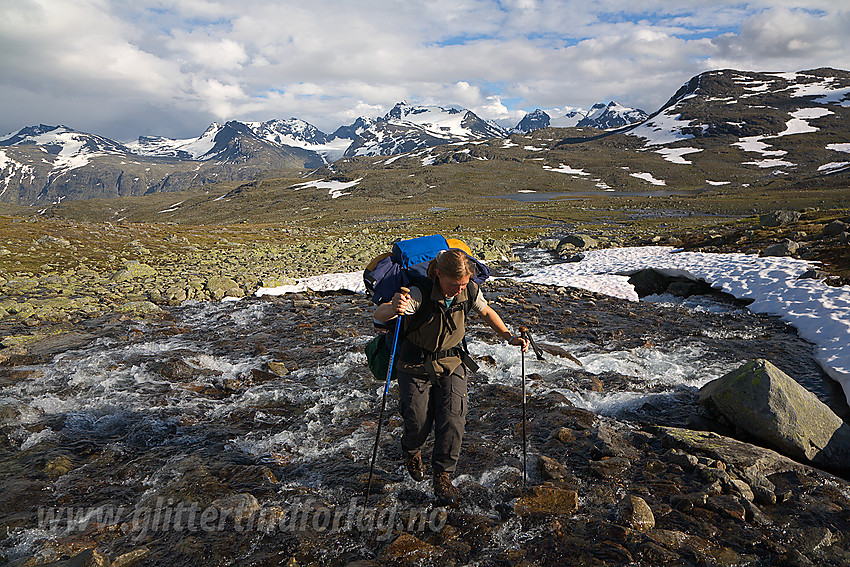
point(765, 402)
point(133, 270)
point(140, 308)
point(20, 285)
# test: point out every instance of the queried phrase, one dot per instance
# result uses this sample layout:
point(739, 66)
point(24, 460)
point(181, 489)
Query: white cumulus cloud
point(171, 67)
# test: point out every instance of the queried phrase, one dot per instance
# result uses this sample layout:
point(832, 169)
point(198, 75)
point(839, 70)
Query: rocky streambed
point(240, 433)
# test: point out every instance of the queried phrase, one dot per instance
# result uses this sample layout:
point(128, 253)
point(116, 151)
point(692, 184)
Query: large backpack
point(408, 262)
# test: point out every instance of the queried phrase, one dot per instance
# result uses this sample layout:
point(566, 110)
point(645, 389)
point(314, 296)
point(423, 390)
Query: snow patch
point(827, 92)
point(172, 208)
point(831, 167)
point(663, 129)
point(755, 144)
point(351, 281)
point(565, 169)
point(648, 177)
point(820, 313)
point(839, 147)
point(674, 155)
point(765, 163)
point(335, 189)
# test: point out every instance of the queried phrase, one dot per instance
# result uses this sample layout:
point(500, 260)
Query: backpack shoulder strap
point(471, 293)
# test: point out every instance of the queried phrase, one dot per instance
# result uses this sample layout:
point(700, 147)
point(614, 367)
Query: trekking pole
point(523, 331)
point(403, 291)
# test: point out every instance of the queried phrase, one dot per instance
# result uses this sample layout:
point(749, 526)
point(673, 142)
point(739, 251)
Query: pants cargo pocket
point(458, 399)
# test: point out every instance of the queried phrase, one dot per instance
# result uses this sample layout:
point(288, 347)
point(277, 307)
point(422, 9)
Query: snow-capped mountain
point(354, 129)
point(601, 115)
point(45, 164)
point(408, 127)
point(291, 133)
point(611, 115)
point(190, 148)
point(566, 117)
point(69, 147)
point(532, 121)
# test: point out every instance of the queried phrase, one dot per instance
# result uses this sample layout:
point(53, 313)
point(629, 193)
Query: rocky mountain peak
point(611, 115)
point(354, 129)
point(533, 121)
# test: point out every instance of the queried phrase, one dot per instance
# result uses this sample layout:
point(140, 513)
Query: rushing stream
point(196, 411)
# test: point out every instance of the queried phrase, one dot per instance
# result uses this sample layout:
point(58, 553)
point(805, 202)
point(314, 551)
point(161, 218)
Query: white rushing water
point(108, 385)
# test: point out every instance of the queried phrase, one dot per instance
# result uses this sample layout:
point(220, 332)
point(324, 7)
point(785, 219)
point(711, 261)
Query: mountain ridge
point(717, 110)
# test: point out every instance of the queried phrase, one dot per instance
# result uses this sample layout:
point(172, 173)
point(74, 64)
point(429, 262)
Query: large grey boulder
point(221, 287)
point(581, 241)
point(572, 242)
point(835, 228)
point(779, 218)
point(763, 401)
point(784, 247)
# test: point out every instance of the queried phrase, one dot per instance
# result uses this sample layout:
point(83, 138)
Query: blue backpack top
point(408, 262)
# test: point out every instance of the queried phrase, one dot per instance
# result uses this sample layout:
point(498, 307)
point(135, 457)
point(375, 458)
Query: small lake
point(566, 195)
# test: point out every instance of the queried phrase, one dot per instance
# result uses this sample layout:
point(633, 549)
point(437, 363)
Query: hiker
point(432, 365)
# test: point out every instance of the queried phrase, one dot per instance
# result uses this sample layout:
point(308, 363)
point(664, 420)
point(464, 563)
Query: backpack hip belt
point(428, 358)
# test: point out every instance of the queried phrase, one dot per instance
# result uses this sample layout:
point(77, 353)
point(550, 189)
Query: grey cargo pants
point(424, 407)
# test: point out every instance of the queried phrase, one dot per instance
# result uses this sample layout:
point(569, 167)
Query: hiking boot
point(444, 489)
point(415, 467)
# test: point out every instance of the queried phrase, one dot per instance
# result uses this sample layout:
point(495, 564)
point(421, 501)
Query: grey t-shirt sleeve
point(480, 303)
point(414, 301)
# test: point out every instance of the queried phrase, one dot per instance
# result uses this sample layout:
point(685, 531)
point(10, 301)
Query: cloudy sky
point(170, 67)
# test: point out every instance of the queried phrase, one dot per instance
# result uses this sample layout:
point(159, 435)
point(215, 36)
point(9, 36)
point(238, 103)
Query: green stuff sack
point(378, 357)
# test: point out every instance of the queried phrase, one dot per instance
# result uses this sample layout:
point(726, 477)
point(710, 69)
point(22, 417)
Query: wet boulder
point(550, 469)
point(636, 513)
point(763, 401)
point(240, 507)
point(407, 549)
point(547, 499)
point(89, 558)
point(174, 369)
